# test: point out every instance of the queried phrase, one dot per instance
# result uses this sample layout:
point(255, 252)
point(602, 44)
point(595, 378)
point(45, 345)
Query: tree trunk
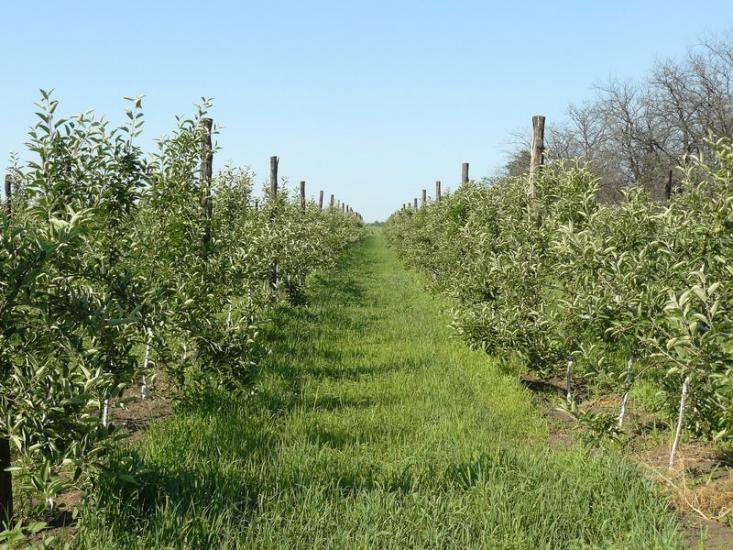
point(627, 389)
point(569, 380)
point(144, 393)
point(105, 413)
point(680, 421)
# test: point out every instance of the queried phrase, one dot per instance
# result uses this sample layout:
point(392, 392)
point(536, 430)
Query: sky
point(372, 101)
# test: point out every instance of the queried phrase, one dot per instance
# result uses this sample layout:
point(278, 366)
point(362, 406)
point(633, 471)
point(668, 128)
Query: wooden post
point(302, 196)
point(536, 154)
point(273, 176)
point(332, 200)
point(6, 478)
point(6, 483)
point(273, 197)
point(8, 194)
point(320, 200)
point(437, 191)
point(464, 173)
point(667, 188)
point(206, 171)
point(424, 198)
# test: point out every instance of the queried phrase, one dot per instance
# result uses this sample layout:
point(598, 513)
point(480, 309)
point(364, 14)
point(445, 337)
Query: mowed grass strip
point(372, 427)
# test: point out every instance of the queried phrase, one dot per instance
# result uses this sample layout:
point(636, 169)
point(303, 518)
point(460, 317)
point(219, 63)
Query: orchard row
point(614, 294)
point(117, 266)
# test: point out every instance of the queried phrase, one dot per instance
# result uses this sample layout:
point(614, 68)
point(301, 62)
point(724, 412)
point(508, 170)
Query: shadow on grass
point(149, 489)
point(178, 503)
point(353, 373)
point(331, 403)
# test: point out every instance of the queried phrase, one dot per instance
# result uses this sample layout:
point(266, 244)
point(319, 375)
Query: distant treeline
point(636, 132)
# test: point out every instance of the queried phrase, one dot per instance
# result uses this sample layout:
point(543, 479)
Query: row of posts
point(274, 163)
point(537, 159)
point(206, 172)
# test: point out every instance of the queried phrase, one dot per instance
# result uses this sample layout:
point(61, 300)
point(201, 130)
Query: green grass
point(372, 427)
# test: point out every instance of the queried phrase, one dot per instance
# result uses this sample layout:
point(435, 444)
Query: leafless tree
point(634, 133)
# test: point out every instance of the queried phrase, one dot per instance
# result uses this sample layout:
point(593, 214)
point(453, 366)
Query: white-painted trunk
point(144, 391)
point(680, 421)
point(229, 315)
point(250, 307)
point(627, 389)
point(105, 413)
point(569, 380)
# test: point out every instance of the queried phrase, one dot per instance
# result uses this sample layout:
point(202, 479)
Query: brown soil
point(133, 415)
point(561, 426)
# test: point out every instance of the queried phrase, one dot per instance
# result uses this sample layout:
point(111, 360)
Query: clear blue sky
point(371, 100)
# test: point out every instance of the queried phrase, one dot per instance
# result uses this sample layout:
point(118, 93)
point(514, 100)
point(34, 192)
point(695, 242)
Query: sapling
point(695, 346)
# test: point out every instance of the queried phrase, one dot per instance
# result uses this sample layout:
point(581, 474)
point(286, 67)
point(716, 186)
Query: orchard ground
point(371, 425)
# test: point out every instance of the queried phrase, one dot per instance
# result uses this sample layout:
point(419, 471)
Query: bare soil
point(131, 414)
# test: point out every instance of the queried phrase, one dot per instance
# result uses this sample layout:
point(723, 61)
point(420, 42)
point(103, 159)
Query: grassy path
point(372, 427)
